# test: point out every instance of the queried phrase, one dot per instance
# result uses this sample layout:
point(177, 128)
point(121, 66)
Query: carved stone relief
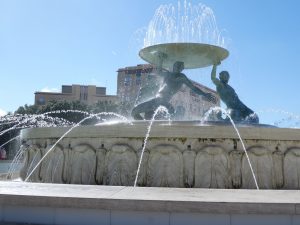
point(32, 157)
point(292, 169)
point(165, 167)
point(212, 168)
point(81, 165)
point(120, 166)
point(52, 166)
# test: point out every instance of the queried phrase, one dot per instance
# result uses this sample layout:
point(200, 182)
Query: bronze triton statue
point(238, 111)
point(173, 58)
point(172, 82)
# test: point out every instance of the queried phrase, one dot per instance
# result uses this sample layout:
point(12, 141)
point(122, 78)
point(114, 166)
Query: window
point(83, 93)
point(41, 100)
point(100, 91)
point(66, 89)
point(138, 79)
point(127, 81)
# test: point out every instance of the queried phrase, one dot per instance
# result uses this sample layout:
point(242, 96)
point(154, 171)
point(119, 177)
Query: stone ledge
point(217, 201)
point(162, 129)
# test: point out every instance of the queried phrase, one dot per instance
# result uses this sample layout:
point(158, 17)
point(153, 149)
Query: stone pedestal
point(180, 154)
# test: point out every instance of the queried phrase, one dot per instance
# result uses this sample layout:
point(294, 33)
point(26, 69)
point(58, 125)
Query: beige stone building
point(88, 94)
point(138, 83)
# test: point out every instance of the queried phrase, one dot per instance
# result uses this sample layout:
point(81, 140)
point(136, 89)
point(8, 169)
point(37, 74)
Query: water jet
point(188, 171)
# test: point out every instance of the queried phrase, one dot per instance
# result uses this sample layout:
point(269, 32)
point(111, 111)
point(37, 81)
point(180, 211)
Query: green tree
point(104, 106)
point(73, 111)
point(27, 109)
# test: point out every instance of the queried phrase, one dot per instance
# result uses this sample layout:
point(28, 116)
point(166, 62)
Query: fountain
point(191, 163)
point(177, 154)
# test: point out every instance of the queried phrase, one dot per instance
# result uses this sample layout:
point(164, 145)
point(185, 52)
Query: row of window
point(139, 71)
point(83, 93)
point(128, 80)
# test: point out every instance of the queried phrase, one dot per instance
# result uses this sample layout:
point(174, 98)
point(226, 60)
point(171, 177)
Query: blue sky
point(44, 44)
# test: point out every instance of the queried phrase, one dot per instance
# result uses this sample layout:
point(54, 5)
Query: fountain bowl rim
point(194, 55)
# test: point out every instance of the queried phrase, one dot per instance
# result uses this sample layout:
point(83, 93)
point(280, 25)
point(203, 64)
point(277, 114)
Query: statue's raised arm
point(160, 57)
point(214, 78)
point(209, 97)
point(238, 111)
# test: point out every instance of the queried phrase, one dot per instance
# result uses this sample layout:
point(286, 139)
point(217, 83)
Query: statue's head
point(224, 76)
point(178, 67)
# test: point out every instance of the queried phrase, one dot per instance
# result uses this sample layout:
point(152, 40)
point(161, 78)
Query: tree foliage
point(74, 111)
point(104, 106)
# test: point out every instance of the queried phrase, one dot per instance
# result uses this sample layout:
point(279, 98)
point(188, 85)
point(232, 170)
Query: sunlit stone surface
point(180, 154)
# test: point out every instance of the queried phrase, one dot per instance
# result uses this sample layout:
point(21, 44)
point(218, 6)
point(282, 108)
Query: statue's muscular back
point(171, 84)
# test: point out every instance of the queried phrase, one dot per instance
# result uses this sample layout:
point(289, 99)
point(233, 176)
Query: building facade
point(88, 94)
point(139, 83)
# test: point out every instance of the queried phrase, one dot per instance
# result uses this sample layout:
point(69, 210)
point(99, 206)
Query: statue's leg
point(149, 115)
point(162, 115)
point(145, 107)
point(154, 104)
point(136, 116)
point(137, 110)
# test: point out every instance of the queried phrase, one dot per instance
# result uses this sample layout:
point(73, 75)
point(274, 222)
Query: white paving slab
point(65, 204)
point(150, 198)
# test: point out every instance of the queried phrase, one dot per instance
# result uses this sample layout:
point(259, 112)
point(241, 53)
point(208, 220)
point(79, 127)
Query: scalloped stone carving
point(120, 166)
point(292, 169)
point(212, 168)
point(52, 166)
point(32, 157)
point(262, 163)
point(169, 160)
point(165, 167)
point(142, 177)
point(81, 165)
